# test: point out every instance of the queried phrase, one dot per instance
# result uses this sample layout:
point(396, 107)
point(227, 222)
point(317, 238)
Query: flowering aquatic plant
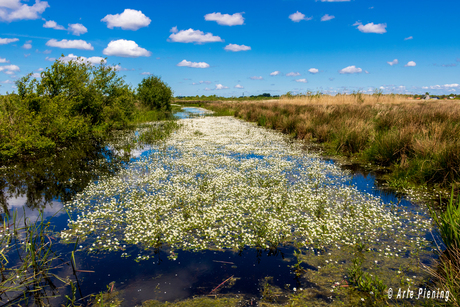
point(232, 185)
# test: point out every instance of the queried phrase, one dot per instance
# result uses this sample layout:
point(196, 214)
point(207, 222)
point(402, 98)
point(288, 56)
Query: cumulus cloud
point(236, 48)
point(186, 63)
point(220, 87)
point(275, 73)
point(378, 28)
point(36, 75)
point(70, 44)
point(53, 25)
point(3, 60)
point(128, 20)
point(256, 78)
point(50, 59)
point(193, 36)
point(225, 19)
point(395, 61)
point(313, 70)
point(410, 63)
point(77, 29)
point(327, 17)
point(27, 45)
point(407, 38)
point(125, 48)
point(9, 69)
point(94, 60)
point(293, 74)
point(301, 80)
point(350, 70)
point(11, 10)
point(298, 16)
point(4, 41)
point(238, 86)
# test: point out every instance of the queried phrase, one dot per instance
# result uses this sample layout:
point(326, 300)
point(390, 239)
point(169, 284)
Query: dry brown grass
point(419, 140)
point(346, 99)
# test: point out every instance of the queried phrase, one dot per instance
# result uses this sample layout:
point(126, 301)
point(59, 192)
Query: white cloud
point(50, 59)
point(27, 45)
point(193, 36)
point(146, 73)
point(70, 44)
point(53, 25)
point(205, 82)
point(410, 63)
point(128, 20)
point(378, 28)
point(293, 74)
point(125, 48)
point(174, 30)
point(9, 69)
point(395, 61)
point(301, 80)
point(186, 63)
point(3, 60)
point(257, 78)
point(313, 70)
point(236, 48)
point(407, 38)
point(225, 19)
point(94, 60)
point(77, 29)
point(451, 85)
point(327, 17)
point(350, 70)
point(11, 10)
point(220, 87)
point(275, 73)
point(238, 86)
point(36, 75)
point(298, 16)
point(4, 41)
point(207, 89)
point(40, 69)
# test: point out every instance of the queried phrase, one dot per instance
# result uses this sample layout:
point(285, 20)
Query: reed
point(418, 141)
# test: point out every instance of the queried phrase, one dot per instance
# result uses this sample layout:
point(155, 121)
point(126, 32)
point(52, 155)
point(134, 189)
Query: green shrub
point(154, 93)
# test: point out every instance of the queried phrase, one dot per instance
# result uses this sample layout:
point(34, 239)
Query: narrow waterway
point(222, 200)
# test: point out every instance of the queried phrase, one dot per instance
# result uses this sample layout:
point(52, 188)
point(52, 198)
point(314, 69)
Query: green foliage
point(154, 93)
point(363, 281)
point(449, 223)
point(70, 101)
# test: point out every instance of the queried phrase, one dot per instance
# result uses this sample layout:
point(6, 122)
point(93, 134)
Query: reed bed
point(417, 140)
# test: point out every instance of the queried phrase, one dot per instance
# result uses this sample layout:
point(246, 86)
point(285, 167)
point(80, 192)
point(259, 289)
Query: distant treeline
point(74, 101)
point(204, 98)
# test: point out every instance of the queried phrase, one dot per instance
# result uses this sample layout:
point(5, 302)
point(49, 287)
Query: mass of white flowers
point(219, 182)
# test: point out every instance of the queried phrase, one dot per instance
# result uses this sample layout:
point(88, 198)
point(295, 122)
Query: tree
point(154, 93)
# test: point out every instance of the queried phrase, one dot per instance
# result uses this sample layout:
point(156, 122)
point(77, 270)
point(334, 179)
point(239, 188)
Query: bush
point(71, 100)
point(155, 94)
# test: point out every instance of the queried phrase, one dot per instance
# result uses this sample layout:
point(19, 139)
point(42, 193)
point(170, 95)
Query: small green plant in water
point(363, 281)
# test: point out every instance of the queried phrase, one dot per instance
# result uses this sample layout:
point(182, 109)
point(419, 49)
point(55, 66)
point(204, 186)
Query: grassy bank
point(417, 141)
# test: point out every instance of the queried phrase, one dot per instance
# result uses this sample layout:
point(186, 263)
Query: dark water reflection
point(46, 181)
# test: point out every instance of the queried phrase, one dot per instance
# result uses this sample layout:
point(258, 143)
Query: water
point(46, 183)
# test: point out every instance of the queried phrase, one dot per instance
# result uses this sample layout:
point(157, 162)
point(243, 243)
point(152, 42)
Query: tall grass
point(417, 140)
point(447, 267)
point(28, 262)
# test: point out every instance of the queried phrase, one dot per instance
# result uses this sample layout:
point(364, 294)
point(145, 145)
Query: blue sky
point(228, 48)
